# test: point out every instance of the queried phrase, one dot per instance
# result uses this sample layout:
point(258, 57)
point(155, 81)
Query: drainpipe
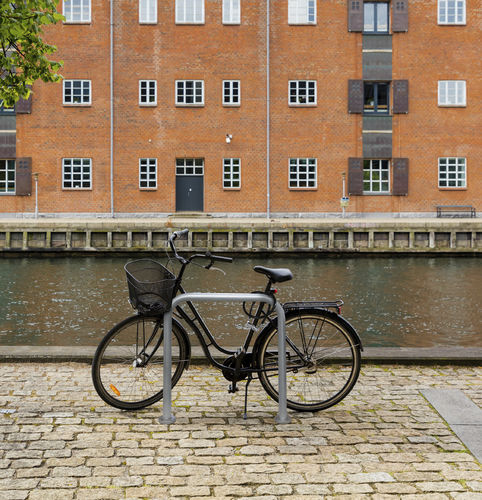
point(268, 201)
point(111, 34)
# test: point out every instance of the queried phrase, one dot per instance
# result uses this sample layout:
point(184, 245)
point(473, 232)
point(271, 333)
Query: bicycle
point(323, 350)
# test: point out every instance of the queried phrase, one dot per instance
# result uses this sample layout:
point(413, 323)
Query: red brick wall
point(213, 52)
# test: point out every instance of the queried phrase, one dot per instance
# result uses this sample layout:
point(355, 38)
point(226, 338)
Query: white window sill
point(452, 105)
point(231, 105)
point(200, 23)
point(144, 105)
point(77, 105)
point(189, 105)
point(303, 188)
point(78, 22)
point(152, 23)
point(453, 24)
point(291, 105)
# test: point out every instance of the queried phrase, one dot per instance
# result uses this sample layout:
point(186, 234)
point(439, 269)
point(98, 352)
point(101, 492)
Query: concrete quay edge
point(375, 355)
point(198, 222)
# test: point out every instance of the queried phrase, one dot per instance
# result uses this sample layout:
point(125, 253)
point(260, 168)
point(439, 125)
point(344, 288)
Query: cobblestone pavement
point(59, 440)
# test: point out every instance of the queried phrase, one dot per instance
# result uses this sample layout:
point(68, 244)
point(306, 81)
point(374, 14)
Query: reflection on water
point(405, 301)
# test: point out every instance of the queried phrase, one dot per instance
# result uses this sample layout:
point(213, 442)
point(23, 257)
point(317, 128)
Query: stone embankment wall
point(226, 235)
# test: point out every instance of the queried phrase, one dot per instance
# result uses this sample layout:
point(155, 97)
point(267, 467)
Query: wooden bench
point(455, 211)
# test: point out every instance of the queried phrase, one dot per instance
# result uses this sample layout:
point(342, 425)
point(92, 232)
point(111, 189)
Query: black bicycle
point(322, 349)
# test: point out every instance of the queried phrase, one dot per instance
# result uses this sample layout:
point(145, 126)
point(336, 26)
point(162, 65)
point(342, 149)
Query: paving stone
point(382, 442)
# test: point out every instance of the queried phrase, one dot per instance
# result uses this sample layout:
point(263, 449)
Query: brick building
point(249, 107)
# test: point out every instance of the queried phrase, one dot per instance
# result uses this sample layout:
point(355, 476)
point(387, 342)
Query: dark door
point(189, 184)
point(189, 193)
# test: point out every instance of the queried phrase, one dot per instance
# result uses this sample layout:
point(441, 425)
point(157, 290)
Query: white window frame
point(189, 166)
point(8, 179)
point(231, 169)
point(296, 98)
point(372, 180)
point(182, 11)
point(302, 11)
point(85, 9)
point(452, 169)
point(452, 93)
point(181, 86)
point(147, 173)
point(443, 12)
point(229, 87)
point(231, 11)
point(377, 27)
point(303, 173)
point(83, 163)
point(84, 85)
point(147, 11)
point(147, 88)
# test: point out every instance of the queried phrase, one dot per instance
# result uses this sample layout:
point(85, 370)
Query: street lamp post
point(35, 178)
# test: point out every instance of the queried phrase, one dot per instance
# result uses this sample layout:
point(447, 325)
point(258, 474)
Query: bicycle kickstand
point(245, 416)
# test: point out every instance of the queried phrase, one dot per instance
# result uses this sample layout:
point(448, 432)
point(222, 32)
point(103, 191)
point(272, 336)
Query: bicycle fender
point(292, 312)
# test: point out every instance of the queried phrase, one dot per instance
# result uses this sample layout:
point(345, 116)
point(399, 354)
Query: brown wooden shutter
point(355, 96)
point(355, 176)
point(400, 176)
point(355, 15)
point(399, 15)
point(23, 176)
point(24, 105)
point(400, 96)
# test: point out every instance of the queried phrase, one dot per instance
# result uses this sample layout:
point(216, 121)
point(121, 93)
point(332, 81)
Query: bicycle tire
point(323, 359)
point(119, 372)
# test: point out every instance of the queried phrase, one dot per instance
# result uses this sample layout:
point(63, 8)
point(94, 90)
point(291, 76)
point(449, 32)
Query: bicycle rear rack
point(323, 304)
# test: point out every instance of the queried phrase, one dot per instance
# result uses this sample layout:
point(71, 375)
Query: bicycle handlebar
point(208, 254)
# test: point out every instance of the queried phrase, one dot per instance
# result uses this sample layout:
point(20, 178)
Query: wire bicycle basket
point(151, 286)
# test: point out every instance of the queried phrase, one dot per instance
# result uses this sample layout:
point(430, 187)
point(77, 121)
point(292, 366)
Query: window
point(231, 173)
point(302, 12)
point(189, 166)
point(190, 11)
point(77, 92)
point(451, 173)
point(147, 92)
point(451, 11)
point(376, 176)
point(231, 11)
point(451, 93)
point(77, 11)
point(77, 173)
point(7, 176)
point(302, 173)
point(148, 11)
point(190, 93)
point(231, 92)
point(375, 17)
point(302, 93)
point(147, 173)
point(376, 97)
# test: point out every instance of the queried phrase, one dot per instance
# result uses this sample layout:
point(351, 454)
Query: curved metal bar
point(282, 416)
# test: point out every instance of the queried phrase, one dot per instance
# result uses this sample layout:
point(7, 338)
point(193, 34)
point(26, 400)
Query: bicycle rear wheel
point(322, 359)
point(127, 369)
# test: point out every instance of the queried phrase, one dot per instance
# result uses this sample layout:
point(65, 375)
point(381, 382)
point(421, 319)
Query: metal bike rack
point(282, 416)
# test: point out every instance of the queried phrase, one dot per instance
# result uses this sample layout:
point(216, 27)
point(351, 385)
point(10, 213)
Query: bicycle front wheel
point(127, 369)
point(322, 360)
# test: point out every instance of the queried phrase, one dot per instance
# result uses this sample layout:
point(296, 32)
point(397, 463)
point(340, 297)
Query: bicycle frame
point(207, 339)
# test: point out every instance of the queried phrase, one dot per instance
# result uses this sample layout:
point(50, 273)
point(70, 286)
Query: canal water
point(399, 301)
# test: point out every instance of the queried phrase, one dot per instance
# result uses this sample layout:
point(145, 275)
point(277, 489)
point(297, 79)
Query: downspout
point(268, 201)
point(111, 34)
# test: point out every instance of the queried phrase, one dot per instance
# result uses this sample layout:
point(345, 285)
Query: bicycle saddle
point(275, 275)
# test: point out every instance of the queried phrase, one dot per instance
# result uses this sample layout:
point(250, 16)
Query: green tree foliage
point(23, 53)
